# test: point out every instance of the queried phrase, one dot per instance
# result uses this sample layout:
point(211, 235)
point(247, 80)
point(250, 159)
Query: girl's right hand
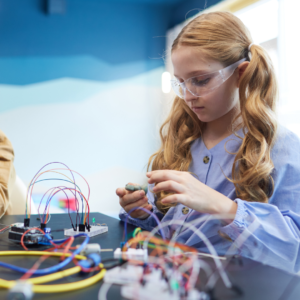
point(129, 200)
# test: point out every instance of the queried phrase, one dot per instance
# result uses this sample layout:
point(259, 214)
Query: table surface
point(254, 280)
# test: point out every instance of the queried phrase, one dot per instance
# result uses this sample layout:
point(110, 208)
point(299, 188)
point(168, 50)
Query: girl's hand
point(129, 200)
point(190, 192)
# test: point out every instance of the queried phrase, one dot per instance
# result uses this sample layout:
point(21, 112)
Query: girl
point(222, 151)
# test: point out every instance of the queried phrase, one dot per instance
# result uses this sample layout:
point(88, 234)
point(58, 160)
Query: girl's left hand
point(190, 192)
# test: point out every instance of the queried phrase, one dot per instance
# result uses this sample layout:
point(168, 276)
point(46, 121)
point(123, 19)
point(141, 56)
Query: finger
point(170, 186)
point(132, 197)
point(124, 201)
point(139, 213)
point(176, 198)
point(138, 203)
point(121, 192)
point(164, 175)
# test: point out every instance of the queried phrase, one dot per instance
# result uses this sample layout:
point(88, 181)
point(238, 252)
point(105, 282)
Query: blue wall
point(84, 87)
point(97, 36)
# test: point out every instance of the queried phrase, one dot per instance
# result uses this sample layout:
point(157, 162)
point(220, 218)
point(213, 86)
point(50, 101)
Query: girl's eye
point(201, 82)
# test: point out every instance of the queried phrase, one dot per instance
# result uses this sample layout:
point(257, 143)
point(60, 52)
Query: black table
point(254, 280)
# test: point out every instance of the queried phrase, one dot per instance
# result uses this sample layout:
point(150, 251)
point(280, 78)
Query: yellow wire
point(136, 231)
point(54, 288)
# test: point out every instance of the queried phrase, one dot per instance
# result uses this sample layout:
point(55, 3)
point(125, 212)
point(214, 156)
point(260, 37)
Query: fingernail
point(142, 193)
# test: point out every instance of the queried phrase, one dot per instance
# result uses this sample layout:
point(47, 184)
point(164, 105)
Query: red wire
point(65, 169)
point(5, 228)
point(68, 247)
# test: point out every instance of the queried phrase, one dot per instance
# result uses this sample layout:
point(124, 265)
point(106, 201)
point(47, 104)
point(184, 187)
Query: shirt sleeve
point(7, 174)
point(276, 239)
point(148, 223)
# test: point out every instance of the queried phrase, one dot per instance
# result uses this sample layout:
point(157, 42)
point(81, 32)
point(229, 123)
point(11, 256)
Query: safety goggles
point(202, 85)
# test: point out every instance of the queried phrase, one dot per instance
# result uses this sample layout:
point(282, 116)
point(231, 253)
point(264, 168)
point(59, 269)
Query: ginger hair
point(223, 37)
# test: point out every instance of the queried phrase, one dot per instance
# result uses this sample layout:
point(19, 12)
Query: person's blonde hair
point(223, 37)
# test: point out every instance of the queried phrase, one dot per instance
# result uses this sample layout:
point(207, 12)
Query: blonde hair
point(223, 37)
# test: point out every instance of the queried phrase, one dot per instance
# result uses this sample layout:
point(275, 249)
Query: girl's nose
point(188, 96)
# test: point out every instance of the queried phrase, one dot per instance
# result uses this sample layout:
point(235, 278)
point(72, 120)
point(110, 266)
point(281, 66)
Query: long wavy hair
point(223, 37)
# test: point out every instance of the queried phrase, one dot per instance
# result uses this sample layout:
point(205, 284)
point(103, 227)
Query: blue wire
point(69, 182)
point(54, 268)
point(61, 189)
point(149, 212)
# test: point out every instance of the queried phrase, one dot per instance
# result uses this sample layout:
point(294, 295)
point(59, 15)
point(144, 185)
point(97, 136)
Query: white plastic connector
point(119, 275)
point(149, 291)
point(90, 248)
point(21, 290)
point(94, 230)
point(131, 253)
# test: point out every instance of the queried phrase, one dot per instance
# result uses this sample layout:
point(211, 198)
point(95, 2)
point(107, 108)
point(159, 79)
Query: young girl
point(222, 151)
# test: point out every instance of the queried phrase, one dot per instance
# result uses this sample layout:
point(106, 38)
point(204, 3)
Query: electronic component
point(81, 227)
point(132, 188)
point(150, 291)
point(22, 290)
point(147, 292)
point(26, 222)
point(94, 230)
point(90, 248)
point(34, 236)
point(131, 253)
point(120, 275)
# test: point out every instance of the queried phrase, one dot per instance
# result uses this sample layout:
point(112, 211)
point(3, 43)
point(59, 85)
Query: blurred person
point(222, 149)
point(7, 174)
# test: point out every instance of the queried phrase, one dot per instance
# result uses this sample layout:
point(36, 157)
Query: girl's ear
point(241, 69)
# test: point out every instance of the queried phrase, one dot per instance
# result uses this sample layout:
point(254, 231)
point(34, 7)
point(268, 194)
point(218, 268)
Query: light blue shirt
point(276, 241)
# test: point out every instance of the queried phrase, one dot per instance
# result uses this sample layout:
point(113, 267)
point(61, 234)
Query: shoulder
point(6, 148)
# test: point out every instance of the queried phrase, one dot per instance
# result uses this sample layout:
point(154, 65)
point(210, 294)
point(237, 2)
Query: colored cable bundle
point(55, 271)
point(55, 288)
point(75, 191)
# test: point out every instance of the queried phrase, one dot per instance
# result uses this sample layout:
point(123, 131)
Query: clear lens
point(176, 85)
point(204, 84)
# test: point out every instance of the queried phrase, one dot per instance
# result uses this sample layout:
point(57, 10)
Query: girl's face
point(188, 62)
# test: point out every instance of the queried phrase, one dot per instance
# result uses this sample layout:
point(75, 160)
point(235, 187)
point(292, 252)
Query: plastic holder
point(95, 230)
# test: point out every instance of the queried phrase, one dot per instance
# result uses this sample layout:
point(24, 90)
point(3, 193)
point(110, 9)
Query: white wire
point(102, 294)
point(195, 274)
point(236, 244)
point(49, 218)
point(202, 237)
point(204, 265)
point(206, 254)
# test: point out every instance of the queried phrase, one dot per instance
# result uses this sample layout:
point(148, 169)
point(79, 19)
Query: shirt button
point(185, 210)
point(206, 159)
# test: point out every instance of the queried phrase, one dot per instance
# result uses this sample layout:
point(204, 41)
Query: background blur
point(86, 82)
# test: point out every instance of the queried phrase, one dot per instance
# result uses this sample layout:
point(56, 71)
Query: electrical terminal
point(131, 253)
point(120, 275)
point(26, 222)
point(90, 248)
point(22, 290)
point(32, 237)
point(148, 291)
point(94, 230)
